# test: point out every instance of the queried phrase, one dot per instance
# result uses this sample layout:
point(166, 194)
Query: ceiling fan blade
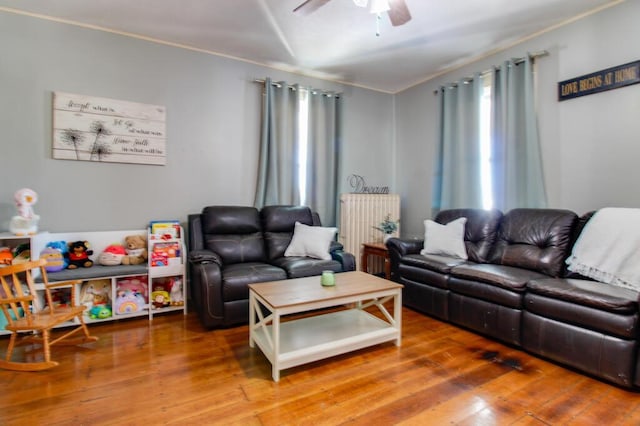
point(398, 13)
point(310, 6)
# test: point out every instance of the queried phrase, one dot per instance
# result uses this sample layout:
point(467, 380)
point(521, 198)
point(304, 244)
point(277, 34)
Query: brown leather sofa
point(233, 246)
point(515, 288)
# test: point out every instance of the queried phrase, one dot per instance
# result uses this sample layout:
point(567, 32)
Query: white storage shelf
point(115, 276)
point(171, 270)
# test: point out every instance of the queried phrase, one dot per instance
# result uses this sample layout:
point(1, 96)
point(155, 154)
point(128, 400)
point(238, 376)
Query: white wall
point(590, 145)
point(213, 116)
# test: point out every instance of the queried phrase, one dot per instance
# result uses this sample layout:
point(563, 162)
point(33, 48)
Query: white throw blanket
point(608, 248)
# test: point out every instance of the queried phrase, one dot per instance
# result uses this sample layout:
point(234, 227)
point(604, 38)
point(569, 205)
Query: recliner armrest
point(405, 246)
point(346, 259)
point(204, 256)
point(335, 246)
point(398, 248)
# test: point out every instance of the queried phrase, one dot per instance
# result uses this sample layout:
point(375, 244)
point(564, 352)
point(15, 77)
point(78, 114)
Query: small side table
point(375, 249)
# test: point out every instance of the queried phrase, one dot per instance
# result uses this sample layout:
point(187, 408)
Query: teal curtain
point(517, 173)
point(457, 182)
point(282, 135)
point(277, 170)
point(517, 178)
point(323, 155)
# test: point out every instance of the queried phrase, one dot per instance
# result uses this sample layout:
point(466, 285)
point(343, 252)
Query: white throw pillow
point(311, 241)
point(446, 239)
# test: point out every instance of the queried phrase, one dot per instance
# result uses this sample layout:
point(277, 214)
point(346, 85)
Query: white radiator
point(359, 214)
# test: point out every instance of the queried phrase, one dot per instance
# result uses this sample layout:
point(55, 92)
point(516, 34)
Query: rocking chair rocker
point(21, 307)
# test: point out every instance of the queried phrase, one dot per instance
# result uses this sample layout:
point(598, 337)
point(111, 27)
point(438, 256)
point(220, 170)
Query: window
point(485, 143)
point(303, 143)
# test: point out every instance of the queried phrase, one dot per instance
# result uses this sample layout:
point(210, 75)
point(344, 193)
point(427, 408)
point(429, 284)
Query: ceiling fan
point(396, 9)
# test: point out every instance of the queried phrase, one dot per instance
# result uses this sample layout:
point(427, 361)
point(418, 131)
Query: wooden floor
point(172, 371)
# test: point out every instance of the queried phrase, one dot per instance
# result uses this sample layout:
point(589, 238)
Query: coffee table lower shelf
point(313, 338)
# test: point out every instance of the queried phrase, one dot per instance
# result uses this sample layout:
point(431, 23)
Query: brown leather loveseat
point(231, 247)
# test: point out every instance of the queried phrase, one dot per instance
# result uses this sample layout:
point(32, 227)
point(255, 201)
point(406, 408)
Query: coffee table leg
point(275, 326)
point(252, 319)
point(397, 314)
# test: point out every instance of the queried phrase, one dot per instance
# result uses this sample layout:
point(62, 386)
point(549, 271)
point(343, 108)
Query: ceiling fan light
point(361, 3)
point(379, 6)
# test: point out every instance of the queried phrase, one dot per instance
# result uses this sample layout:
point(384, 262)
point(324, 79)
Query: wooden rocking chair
point(21, 307)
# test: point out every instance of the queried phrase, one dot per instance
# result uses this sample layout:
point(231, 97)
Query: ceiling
point(337, 42)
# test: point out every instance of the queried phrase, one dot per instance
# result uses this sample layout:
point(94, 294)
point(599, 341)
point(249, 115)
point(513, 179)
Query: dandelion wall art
point(107, 130)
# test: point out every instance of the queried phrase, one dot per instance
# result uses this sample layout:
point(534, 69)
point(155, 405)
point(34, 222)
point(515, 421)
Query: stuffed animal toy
point(55, 259)
point(26, 222)
point(159, 299)
point(112, 255)
point(100, 312)
point(61, 297)
point(21, 254)
point(54, 253)
point(129, 302)
point(177, 299)
point(95, 293)
point(136, 284)
point(6, 257)
point(136, 248)
point(78, 255)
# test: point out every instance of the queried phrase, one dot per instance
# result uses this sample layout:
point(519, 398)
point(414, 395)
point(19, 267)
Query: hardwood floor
point(172, 371)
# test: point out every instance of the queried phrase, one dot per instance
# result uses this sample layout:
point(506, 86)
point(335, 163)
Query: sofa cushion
point(434, 262)
point(298, 267)
point(237, 248)
point(234, 233)
point(447, 239)
point(423, 276)
point(498, 284)
point(535, 239)
point(279, 222)
point(230, 220)
point(237, 277)
point(480, 229)
point(623, 325)
point(596, 353)
point(311, 241)
point(507, 277)
point(593, 294)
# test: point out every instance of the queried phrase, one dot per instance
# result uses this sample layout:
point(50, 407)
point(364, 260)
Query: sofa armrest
point(205, 284)
point(204, 256)
point(346, 259)
point(335, 246)
point(194, 232)
point(401, 247)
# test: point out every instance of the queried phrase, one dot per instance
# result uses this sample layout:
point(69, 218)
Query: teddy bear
point(136, 248)
point(78, 255)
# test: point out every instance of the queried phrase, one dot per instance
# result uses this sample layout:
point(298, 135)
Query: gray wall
point(213, 116)
point(590, 145)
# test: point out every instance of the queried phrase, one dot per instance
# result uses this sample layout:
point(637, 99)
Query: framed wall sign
point(88, 128)
point(600, 81)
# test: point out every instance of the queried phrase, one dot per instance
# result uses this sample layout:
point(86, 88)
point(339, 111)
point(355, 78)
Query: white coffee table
point(321, 335)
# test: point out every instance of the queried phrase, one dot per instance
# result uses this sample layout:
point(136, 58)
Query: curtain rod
point(312, 90)
point(516, 61)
